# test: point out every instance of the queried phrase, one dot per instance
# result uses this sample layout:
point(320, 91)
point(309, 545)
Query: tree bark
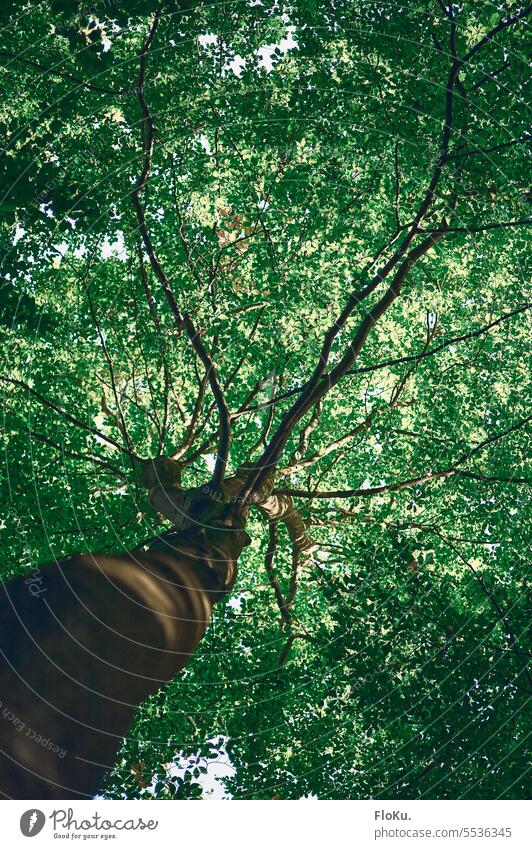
point(86, 640)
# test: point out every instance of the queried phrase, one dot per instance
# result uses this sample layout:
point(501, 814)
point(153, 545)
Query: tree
point(279, 251)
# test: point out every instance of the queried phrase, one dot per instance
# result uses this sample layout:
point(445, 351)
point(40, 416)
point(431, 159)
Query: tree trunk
point(86, 640)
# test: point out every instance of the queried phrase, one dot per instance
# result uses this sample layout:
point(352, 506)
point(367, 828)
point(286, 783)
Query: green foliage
point(271, 190)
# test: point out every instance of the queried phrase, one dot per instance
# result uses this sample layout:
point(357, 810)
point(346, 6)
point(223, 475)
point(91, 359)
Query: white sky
point(264, 53)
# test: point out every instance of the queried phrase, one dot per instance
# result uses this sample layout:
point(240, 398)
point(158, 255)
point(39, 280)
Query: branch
point(391, 362)
point(397, 185)
point(149, 414)
point(91, 458)
point(491, 75)
point(67, 416)
point(148, 145)
point(312, 392)
point(304, 437)
point(432, 351)
point(168, 382)
point(260, 384)
point(271, 455)
point(367, 492)
point(263, 435)
point(284, 604)
point(279, 507)
point(368, 421)
point(333, 446)
point(490, 440)
point(64, 74)
point(379, 490)
point(230, 378)
point(502, 25)
point(273, 541)
point(429, 476)
point(283, 657)
point(494, 225)
point(482, 150)
point(119, 420)
point(508, 632)
point(193, 424)
point(183, 320)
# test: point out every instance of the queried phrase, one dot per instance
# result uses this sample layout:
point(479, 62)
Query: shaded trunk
point(85, 641)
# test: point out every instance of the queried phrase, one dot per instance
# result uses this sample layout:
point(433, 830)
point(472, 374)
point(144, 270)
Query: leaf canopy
point(293, 144)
